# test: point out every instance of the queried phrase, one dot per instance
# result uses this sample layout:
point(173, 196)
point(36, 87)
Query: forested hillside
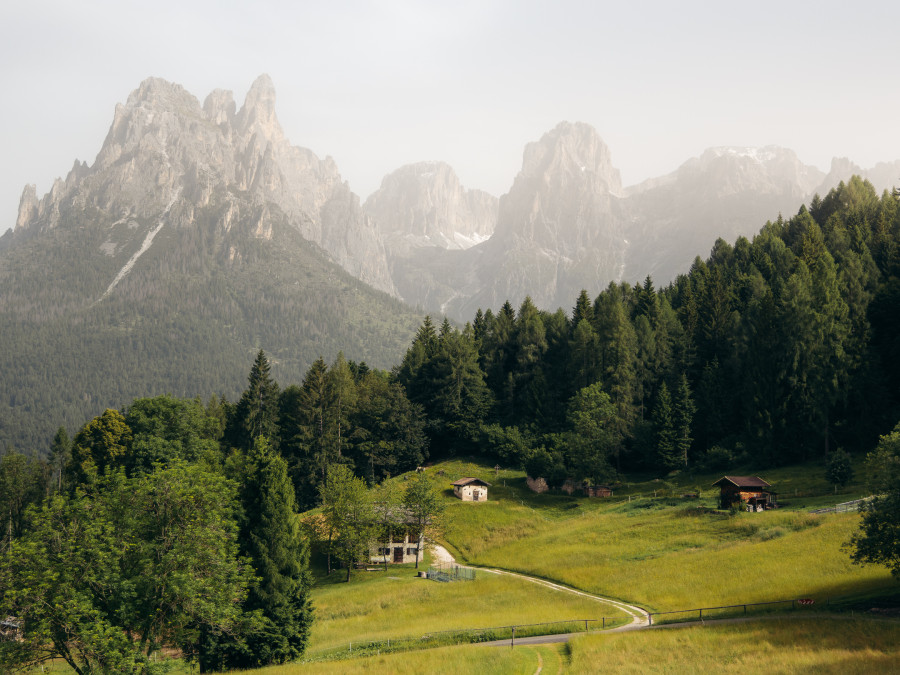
point(186, 320)
point(772, 350)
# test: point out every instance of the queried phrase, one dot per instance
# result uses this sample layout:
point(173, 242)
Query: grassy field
point(463, 660)
point(822, 645)
point(377, 606)
point(781, 646)
point(665, 553)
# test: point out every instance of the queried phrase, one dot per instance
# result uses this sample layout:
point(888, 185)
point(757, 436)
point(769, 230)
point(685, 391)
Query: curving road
point(639, 616)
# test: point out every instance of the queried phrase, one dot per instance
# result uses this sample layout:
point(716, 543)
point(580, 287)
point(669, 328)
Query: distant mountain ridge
point(567, 223)
point(199, 235)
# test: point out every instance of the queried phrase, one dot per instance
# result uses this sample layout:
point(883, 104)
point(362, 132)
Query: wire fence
point(727, 611)
point(842, 508)
point(462, 636)
point(450, 572)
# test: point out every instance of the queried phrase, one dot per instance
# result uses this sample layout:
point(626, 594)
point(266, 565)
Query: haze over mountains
point(199, 234)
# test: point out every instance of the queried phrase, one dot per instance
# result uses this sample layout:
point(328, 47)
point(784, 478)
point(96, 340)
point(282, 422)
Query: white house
point(471, 489)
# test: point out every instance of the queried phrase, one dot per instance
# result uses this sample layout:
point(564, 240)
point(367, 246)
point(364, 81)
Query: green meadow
point(821, 645)
point(378, 606)
point(666, 552)
point(779, 646)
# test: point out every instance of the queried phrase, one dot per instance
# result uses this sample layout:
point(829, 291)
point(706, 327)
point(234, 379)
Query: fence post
point(701, 615)
point(512, 643)
point(585, 625)
point(745, 609)
point(604, 622)
point(650, 617)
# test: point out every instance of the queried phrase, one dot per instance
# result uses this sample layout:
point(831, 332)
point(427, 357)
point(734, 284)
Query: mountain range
point(200, 234)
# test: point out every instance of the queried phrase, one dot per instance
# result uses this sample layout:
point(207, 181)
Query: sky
point(377, 85)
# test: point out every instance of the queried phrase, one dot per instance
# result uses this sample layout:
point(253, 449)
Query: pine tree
point(256, 414)
point(682, 418)
point(278, 613)
point(666, 433)
point(60, 452)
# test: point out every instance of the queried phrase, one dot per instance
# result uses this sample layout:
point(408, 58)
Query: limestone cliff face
point(423, 205)
point(883, 176)
point(560, 226)
point(165, 153)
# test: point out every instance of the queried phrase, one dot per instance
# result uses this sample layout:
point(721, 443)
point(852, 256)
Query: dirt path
point(639, 617)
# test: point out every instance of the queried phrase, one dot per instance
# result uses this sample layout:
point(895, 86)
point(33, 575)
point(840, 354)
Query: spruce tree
point(682, 418)
point(664, 420)
point(278, 613)
point(60, 452)
point(256, 414)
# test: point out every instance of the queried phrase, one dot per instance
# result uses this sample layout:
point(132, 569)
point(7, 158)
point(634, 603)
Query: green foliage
point(186, 320)
point(666, 431)
point(165, 429)
point(591, 416)
point(839, 470)
point(878, 539)
point(23, 482)
point(424, 505)
point(349, 516)
point(277, 612)
point(105, 579)
point(100, 445)
point(256, 414)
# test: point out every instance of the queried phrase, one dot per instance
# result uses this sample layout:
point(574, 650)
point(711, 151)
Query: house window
point(411, 550)
point(384, 551)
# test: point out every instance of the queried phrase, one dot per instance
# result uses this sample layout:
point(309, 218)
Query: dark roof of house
point(744, 481)
point(469, 481)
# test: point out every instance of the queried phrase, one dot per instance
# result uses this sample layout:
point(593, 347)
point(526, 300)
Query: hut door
point(398, 554)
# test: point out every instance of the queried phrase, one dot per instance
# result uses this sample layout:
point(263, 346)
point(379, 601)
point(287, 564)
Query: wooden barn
point(751, 491)
point(597, 491)
point(471, 489)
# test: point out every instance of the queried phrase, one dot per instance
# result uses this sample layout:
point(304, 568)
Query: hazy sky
point(380, 84)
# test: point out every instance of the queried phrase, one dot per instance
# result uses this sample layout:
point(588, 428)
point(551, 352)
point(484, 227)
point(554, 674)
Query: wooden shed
point(751, 491)
point(471, 489)
point(597, 491)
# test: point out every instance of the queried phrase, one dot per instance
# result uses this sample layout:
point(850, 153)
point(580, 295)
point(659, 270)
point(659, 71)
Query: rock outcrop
point(164, 146)
point(422, 205)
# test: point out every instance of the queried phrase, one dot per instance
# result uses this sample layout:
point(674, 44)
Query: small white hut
point(471, 489)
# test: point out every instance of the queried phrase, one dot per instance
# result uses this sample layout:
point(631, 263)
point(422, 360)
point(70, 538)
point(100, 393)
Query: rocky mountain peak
point(219, 106)
point(165, 154)
point(257, 115)
point(770, 169)
point(573, 151)
point(424, 204)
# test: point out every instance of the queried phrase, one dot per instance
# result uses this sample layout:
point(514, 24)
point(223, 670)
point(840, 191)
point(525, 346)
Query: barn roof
point(469, 481)
point(744, 481)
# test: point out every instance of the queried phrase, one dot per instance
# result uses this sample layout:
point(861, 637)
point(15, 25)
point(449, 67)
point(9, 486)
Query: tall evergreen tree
point(60, 453)
point(666, 432)
point(683, 410)
point(278, 612)
point(256, 414)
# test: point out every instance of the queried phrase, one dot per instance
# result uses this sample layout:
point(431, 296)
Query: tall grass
point(665, 553)
point(463, 660)
point(378, 606)
point(819, 645)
